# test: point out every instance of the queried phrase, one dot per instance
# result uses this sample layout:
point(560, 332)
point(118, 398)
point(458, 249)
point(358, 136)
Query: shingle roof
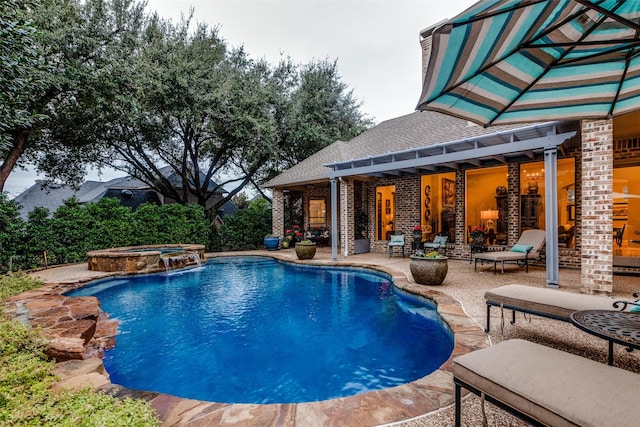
point(52, 196)
point(418, 129)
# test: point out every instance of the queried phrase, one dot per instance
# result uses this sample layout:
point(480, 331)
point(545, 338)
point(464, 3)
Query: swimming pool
point(256, 330)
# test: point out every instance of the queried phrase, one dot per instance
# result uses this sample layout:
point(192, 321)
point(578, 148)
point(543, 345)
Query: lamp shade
point(489, 214)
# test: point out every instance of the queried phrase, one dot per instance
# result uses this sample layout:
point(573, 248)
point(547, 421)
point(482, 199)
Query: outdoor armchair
point(439, 242)
point(396, 241)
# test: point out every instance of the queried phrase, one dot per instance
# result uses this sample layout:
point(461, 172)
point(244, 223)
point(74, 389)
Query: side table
point(621, 327)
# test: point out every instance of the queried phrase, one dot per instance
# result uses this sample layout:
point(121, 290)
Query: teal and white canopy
point(507, 61)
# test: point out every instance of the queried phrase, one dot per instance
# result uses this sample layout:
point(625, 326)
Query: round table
point(621, 327)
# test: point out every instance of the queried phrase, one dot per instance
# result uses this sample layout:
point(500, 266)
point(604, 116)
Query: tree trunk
point(17, 149)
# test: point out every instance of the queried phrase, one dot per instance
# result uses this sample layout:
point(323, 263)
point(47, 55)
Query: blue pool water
point(256, 330)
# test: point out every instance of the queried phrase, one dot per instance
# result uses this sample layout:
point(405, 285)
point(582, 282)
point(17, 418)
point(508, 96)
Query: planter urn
point(271, 242)
point(429, 271)
point(305, 250)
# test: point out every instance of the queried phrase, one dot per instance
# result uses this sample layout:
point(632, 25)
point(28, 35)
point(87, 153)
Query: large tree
point(203, 111)
point(173, 105)
point(53, 53)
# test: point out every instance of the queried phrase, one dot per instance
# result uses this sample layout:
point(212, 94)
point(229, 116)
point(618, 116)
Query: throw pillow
point(521, 248)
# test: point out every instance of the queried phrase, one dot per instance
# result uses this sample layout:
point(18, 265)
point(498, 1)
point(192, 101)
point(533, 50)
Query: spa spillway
point(145, 258)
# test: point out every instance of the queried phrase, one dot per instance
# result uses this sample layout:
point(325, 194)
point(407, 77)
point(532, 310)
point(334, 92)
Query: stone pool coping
point(400, 403)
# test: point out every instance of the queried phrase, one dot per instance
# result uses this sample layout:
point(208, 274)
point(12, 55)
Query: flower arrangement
point(431, 254)
point(477, 232)
point(417, 228)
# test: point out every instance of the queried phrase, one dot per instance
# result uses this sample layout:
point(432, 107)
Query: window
point(532, 196)
point(486, 203)
point(317, 213)
point(626, 210)
point(385, 211)
point(437, 207)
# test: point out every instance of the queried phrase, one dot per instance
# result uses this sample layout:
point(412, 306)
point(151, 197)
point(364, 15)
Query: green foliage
point(18, 59)
point(26, 396)
point(247, 227)
point(40, 238)
point(173, 223)
point(72, 225)
point(75, 229)
point(14, 285)
point(11, 233)
point(59, 53)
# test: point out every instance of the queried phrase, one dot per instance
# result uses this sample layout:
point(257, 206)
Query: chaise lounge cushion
point(553, 302)
point(552, 386)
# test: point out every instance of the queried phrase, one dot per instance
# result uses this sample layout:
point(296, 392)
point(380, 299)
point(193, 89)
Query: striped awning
point(506, 61)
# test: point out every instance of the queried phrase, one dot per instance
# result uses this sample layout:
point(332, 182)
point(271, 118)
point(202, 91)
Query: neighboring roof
point(415, 130)
point(52, 196)
point(49, 196)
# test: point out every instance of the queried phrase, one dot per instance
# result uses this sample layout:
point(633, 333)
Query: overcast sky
point(376, 44)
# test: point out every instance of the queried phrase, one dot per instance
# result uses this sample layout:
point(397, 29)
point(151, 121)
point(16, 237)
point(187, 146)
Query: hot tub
point(145, 258)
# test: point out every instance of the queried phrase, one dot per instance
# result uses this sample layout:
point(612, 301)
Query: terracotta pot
point(305, 250)
point(429, 271)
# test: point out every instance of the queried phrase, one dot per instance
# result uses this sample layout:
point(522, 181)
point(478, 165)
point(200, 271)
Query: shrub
point(40, 237)
point(26, 379)
point(11, 234)
point(14, 285)
point(173, 223)
point(247, 227)
point(26, 396)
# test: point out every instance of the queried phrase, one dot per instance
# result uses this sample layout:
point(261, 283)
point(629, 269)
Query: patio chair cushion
point(552, 386)
point(521, 248)
point(396, 240)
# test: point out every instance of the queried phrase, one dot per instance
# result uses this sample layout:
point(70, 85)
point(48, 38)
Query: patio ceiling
point(500, 148)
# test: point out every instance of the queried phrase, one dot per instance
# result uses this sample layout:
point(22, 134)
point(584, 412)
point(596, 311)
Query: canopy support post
point(551, 215)
point(334, 219)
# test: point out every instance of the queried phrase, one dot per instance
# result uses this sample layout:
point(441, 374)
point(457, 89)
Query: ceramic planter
point(271, 242)
point(429, 271)
point(305, 250)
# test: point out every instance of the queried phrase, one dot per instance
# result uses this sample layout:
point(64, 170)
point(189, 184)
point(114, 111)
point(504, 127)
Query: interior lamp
point(488, 216)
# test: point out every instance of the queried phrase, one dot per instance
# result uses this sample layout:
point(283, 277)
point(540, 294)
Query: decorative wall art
point(427, 210)
point(448, 193)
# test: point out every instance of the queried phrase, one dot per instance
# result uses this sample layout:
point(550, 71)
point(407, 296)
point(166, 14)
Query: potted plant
point(428, 268)
point(305, 249)
point(361, 242)
point(271, 242)
point(417, 233)
point(477, 235)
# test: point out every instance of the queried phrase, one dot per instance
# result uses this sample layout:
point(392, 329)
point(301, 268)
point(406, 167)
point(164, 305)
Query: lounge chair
point(439, 242)
point(528, 247)
point(547, 387)
point(396, 241)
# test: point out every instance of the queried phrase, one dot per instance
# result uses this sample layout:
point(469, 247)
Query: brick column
point(347, 216)
point(277, 213)
point(597, 209)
